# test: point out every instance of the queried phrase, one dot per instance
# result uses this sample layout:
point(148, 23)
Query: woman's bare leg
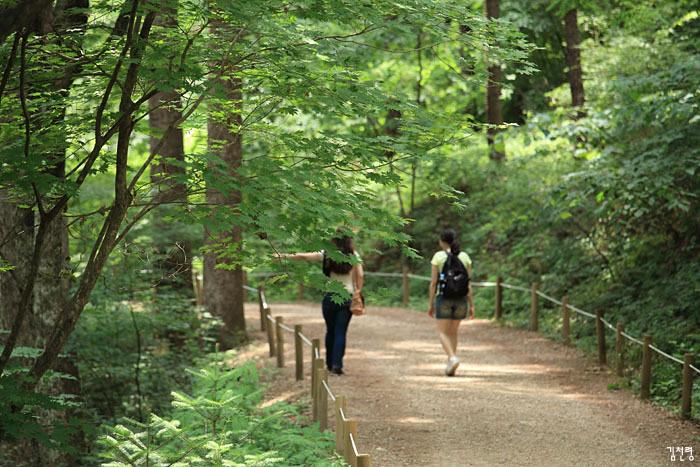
point(444, 332)
point(453, 333)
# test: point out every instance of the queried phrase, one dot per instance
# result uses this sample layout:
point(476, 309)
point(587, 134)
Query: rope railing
point(606, 323)
point(661, 352)
point(305, 339)
point(547, 297)
point(331, 396)
point(514, 287)
point(354, 446)
point(420, 278)
point(483, 284)
point(582, 312)
point(689, 370)
point(632, 338)
point(389, 274)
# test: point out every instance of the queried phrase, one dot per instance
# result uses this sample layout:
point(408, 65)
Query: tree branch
point(8, 65)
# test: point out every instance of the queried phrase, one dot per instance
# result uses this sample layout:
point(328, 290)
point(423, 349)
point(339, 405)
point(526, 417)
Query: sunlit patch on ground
point(287, 396)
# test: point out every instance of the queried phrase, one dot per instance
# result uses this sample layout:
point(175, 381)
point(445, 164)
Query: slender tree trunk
point(223, 281)
point(494, 115)
point(174, 254)
point(573, 60)
point(408, 213)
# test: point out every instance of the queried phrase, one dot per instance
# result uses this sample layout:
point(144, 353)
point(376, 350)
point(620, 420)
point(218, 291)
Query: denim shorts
point(451, 308)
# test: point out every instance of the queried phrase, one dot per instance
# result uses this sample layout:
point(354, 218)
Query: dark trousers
point(337, 317)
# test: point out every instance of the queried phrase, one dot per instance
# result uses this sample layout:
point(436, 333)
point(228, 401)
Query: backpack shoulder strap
point(448, 260)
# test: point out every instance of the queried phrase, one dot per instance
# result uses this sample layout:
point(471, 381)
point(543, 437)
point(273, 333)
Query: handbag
point(357, 305)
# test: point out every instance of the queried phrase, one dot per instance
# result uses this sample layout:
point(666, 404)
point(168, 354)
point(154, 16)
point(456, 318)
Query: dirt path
point(517, 399)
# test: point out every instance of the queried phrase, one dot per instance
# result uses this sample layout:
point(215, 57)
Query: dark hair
point(344, 245)
point(449, 236)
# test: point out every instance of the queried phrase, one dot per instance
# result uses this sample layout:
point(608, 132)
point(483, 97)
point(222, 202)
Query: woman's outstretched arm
point(312, 256)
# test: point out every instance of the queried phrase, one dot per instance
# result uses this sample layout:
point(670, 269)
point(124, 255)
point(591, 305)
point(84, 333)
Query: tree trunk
point(174, 263)
point(18, 226)
point(15, 16)
point(494, 115)
point(16, 243)
point(573, 60)
point(223, 282)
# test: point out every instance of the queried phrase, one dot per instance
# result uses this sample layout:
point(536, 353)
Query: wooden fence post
point(620, 349)
point(534, 303)
point(406, 286)
point(566, 320)
point(646, 369)
point(298, 352)
point(600, 337)
point(270, 331)
point(350, 428)
point(364, 460)
point(316, 389)
point(499, 297)
point(687, 395)
point(263, 321)
point(280, 341)
point(323, 398)
point(339, 425)
point(300, 292)
point(315, 346)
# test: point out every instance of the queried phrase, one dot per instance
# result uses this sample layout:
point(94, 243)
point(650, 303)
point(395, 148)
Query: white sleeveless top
point(346, 279)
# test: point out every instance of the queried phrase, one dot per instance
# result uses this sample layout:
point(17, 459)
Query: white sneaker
point(452, 364)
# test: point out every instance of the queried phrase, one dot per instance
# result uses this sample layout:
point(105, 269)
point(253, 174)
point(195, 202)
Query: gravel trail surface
point(517, 398)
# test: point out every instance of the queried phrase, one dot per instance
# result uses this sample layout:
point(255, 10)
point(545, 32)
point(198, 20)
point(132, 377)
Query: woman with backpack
point(337, 315)
point(450, 294)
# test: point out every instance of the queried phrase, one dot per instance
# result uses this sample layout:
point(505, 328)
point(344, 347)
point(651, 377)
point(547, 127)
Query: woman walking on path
point(450, 294)
point(336, 315)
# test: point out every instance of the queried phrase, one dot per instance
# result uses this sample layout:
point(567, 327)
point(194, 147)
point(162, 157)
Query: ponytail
point(454, 248)
point(449, 236)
